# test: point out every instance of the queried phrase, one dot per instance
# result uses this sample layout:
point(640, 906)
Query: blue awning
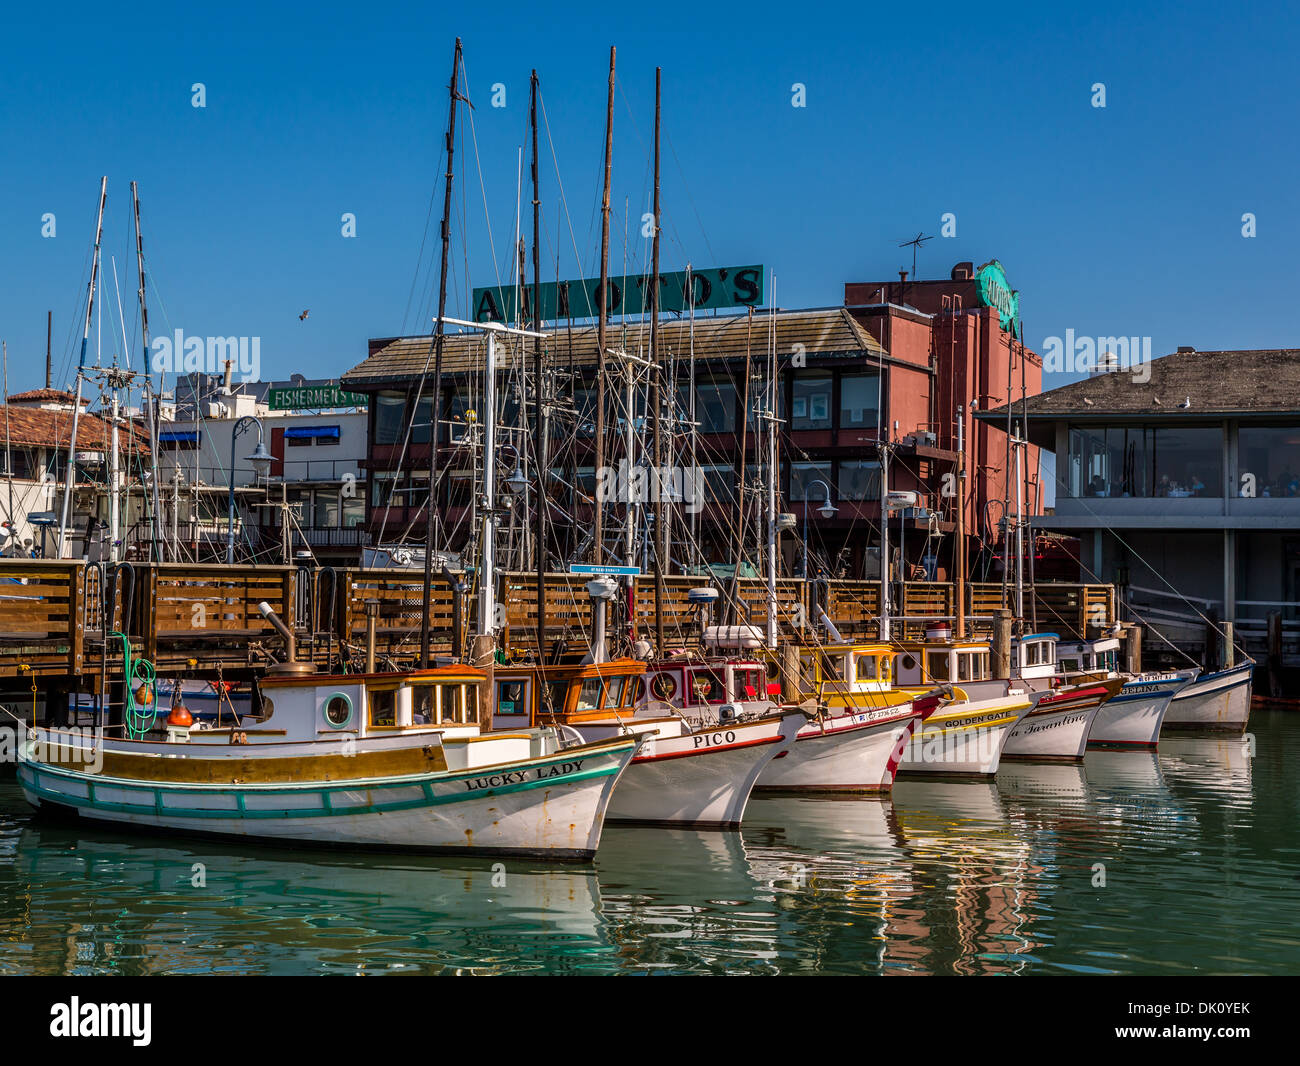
point(312, 432)
point(178, 437)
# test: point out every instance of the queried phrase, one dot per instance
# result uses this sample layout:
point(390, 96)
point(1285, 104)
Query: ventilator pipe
point(290, 644)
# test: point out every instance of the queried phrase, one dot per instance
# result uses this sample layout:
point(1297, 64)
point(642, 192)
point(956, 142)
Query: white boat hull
point(1056, 733)
point(853, 752)
point(1218, 702)
point(552, 807)
point(1132, 718)
point(701, 779)
point(964, 738)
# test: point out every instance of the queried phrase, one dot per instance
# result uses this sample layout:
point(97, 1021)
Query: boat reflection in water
point(85, 902)
point(1217, 763)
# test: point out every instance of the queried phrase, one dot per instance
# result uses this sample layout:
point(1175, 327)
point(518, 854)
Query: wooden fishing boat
point(360, 760)
point(1060, 722)
point(692, 769)
point(862, 725)
point(1217, 702)
point(966, 735)
point(1133, 717)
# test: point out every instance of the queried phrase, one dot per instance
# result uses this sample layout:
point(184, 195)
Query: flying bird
point(303, 317)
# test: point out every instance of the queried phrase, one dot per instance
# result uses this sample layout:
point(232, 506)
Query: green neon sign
point(994, 291)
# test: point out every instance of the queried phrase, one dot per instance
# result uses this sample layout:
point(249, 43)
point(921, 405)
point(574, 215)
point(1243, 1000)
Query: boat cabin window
point(512, 697)
point(614, 691)
point(833, 667)
point(1108, 660)
point(589, 694)
point(750, 682)
point(707, 687)
point(338, 711)
point(383, 708)
point(663, 686)
point(1070, 663)
point(936, 665)
point(635, 691)
point(557, 695)
point(442, 703)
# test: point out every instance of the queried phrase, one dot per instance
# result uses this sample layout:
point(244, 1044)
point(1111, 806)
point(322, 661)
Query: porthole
point(338, 711)
point(663, 687)
point(909, 663)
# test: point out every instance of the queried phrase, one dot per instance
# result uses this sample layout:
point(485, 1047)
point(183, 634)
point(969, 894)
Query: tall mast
point(1019, 446)
point(151, 423)
point(660, 556)
point(771, 472)
point(884, 540)
point(697, 506)
point(436, 404)
point(85, 340)
point(603, 311)
point(487, 542)
point(542, 440)
point(960, 633)
point(9, 461)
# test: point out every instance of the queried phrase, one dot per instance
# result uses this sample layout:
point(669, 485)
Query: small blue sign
point(601, 568)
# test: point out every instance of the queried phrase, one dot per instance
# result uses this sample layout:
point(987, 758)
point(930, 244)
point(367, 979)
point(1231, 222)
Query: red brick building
point(963, 335)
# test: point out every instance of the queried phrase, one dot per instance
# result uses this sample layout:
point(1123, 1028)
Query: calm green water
point(1200, 846)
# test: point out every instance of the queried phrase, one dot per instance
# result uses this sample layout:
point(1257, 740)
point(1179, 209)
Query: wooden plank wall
point(197, 618)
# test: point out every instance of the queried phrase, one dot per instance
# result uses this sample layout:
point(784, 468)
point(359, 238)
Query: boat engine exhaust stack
point(290, 664)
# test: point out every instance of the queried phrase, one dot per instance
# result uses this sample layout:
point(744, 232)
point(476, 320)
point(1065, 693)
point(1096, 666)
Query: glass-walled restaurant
point(1180, 462)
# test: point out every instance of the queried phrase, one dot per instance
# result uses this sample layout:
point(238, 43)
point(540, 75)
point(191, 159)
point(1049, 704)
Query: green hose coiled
point(137, 672)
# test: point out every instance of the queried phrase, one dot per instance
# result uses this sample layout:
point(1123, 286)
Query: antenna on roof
point(915, 243)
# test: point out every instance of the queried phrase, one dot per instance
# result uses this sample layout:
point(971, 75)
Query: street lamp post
point(261, 460)
point(826, 510)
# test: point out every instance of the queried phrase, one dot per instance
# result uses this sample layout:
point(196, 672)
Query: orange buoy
point(180, 716)
point(144, 696)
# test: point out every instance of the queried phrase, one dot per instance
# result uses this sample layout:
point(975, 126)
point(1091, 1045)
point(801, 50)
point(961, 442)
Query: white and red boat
point(698, 762)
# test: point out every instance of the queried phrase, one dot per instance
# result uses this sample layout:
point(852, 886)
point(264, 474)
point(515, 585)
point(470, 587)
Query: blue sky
point(1117, 221)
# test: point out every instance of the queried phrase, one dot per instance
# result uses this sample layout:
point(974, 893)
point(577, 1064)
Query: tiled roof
point(821, 332)
point(1187, 384)
point(31, 427)
point(45, 396)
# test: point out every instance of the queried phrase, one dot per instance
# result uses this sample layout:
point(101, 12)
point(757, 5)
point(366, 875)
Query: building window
point(1270, 455)
point(810, 401)
point(719, 484)
point(859, 479)
point(803, 478)
point(1145, 461)
point(354, 511)
point(390, 418)
point(327, 510)
point(422, 422)
point(859, 401)
point(715, 406)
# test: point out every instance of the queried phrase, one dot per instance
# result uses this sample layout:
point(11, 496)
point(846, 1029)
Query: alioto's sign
point(993, 290)
point(710, 289)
